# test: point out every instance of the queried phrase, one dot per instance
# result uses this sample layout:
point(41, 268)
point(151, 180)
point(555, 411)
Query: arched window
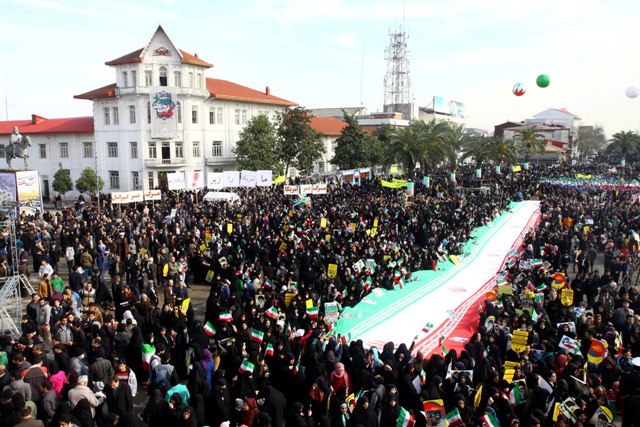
point(163, 76)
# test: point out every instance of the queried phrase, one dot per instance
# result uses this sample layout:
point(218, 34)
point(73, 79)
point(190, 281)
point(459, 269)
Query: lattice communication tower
point(397, 82)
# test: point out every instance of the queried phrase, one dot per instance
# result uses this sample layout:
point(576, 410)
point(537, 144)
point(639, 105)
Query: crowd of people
point(123, 324)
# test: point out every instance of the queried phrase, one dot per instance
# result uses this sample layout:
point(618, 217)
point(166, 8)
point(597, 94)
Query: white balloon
point(632, 92)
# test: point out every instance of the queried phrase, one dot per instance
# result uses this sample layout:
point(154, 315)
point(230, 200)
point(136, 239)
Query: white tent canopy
point(212, 196)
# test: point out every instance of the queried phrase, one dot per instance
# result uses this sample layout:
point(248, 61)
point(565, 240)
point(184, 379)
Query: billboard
point(176, 181)
point(163, 104)
point(449, 107)
point(28, 192)
point(8, 183)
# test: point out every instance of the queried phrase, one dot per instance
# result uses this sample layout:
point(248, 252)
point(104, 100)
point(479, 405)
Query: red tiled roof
point(135, 57)
point(108, 91)
point(224, 89)
point(43, 126)
point(327, 126)
point(564, 110)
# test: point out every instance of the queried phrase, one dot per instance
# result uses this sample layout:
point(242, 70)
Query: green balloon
point(543, 80)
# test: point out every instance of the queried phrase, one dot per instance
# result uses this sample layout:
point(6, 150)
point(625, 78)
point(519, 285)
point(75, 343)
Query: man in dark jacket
point(119, 399)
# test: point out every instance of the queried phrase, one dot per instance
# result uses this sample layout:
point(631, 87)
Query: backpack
point(162, 378)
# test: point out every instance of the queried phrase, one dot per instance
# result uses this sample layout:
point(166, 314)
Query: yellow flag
point(393, 169)
point(165, 270)
point(332, 271)
point(309, 303)
point(278, 180)
point(229, 228)
point(478, 398)
point(327, 237)
point(323, 222)
point(375, 223)
point(203, 247)
point(209, 277)
point(516, 168)
point(185, 306)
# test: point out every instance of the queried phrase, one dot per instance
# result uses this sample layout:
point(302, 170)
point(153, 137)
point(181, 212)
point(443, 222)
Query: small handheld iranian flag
point(312, 312)
point(269, 350)
point(268, 284)
point(225, 316)
point(490, 420)
point(148, 350)
point(247, 366)
point(272, 312)
point(223, 262)
point(257, 335)
point(296, 368)
point(209, 329)
point(453, 418)
point(514, 396)
point(405, 419)
point(444, 349)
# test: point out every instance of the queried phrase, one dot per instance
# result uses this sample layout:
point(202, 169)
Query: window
point(116, 116)
point(179, 150)
point(112, 149)
point(148, 112)
point(43, 151)
point(107, 116)
point(179, 112)
point(212, 116)
point(237, 116)
point(135, 180)
point(152, 183)
point(217, 170)
point(133, 146)
point(190, 79)
point(134, 78)
point(153, 150)
point(114, 180)
point(244, 117)
point(148, 78)
point(88, 149)
point(64, 150)
point(219, 116)
point(216, 149)
point(125, 80)
point(2, 154)
point(163, 76)
point(194, 114)
point(177, 78)
point(198, 80)
point(320, 167)
point(132, 114)
point(196, 149)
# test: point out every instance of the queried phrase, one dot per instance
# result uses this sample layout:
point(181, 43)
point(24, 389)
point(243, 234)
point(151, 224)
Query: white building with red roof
point(161, 115)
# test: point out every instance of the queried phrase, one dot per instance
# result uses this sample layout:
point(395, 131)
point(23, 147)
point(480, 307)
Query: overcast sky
point(320, 53)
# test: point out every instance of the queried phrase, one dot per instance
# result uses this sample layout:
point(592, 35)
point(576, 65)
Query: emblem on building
point(163, 105)
point(161, 51)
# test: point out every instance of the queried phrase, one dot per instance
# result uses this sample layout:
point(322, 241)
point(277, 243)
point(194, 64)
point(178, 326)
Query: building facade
point(126, 142)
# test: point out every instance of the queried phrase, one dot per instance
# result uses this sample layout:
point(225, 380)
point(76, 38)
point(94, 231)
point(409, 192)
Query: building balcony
point(165, 163)
point(215, 161)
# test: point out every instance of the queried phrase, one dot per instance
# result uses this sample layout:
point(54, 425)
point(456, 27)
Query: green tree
point(352, 145)
point(376, 153)
point(62, 181)
point(480, 150)
point(89, 182)
point(257, 147)
point(299, 145)
point(419, 142)
point(625, 142)
point(504, 150)
point(591, 140)
point(529, 141)
point(453, 139)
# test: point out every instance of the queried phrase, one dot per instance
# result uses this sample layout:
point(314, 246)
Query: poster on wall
point(196, 180)
point(28, 192)
point(264, 179)
point(214, 180)
point(230, 179)
point(8, 183)
point(164, 113)
point(248, 178)
point(176, 181)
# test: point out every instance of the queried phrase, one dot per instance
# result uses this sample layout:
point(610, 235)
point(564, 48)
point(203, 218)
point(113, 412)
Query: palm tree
point(529, 141)
point(406, 146)
point(480, 150)
point(626, 142)
point(454, 139)
point(504, 150)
